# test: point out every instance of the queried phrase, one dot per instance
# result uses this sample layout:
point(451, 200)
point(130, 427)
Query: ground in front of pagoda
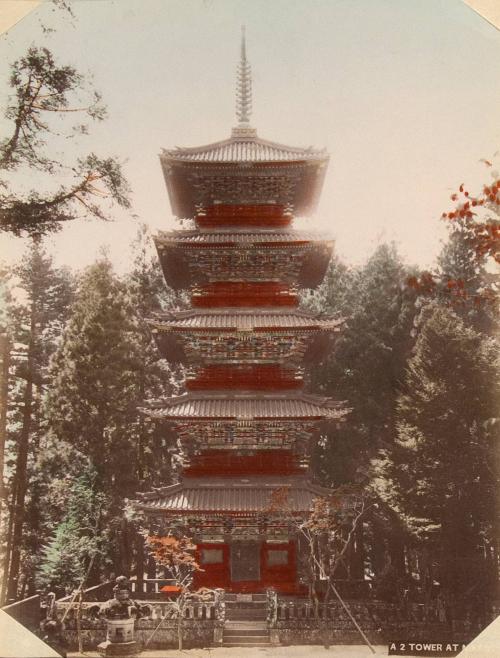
point(309, 651)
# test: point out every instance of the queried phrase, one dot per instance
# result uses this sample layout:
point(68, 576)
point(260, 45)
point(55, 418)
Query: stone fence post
point(272, 616)
point(220, 615)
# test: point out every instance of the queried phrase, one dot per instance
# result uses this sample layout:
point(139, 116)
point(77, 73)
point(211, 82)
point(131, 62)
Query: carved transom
point(250, 347)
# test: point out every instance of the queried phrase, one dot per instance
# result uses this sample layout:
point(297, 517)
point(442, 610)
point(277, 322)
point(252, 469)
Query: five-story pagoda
point(245, 424)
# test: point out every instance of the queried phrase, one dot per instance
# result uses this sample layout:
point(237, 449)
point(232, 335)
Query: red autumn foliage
point(172, 552)
point(484, 232)
point(478, 217)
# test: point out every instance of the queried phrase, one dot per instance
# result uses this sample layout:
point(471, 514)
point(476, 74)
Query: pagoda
point(245, 425)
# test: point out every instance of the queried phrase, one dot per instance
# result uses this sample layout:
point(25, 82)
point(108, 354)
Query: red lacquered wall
point(258, 216)
point(243, 294)
point(222, 462)
point(254, 377)
point(282, 577)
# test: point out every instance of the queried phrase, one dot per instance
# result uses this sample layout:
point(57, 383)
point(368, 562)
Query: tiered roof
point(194, 335)
point(212, 406)
point(244, 150)
point(191, 257)
point(238, 496)
point(228, 238)
point(226, 171)
point(255, 320)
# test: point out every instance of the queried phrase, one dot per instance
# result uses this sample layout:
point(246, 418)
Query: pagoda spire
point(243, 93)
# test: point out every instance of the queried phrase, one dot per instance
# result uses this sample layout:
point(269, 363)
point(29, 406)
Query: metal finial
point(243, 85)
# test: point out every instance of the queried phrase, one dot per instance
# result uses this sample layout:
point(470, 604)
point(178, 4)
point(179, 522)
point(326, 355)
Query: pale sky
point(404, 94)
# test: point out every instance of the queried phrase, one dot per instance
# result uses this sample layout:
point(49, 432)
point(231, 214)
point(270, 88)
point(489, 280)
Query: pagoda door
point(245, 561)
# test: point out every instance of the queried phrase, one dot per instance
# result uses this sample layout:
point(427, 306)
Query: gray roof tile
point(252, 149)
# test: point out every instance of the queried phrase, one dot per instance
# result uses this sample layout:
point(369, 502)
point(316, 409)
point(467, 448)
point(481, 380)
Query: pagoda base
point(126, 649)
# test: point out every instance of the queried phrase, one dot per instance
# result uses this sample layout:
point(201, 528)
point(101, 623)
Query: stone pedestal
point(274, 637)
point(120, 639)
point(120, 630)
point(218, 634)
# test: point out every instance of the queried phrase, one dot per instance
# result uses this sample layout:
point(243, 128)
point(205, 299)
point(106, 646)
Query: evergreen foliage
point(39, 298)
point(79, 538)
point(149, 296)
point(463, 275)
point(106, 366)
point(45, 97)
point(367, 365)
point(444, 468)
point(93, 400)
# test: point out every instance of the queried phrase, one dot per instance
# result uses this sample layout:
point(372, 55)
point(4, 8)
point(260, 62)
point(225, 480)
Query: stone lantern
point(120, 613)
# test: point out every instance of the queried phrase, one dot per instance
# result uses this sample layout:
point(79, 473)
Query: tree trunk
point(21, 465)
point(4, 512)
point(179, 626)
point(4, 392)
point(124, 548)
point(139, 568)
point(8, 548)
point(357, 557)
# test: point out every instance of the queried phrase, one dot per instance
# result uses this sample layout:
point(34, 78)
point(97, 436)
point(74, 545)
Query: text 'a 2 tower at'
point(245, 425)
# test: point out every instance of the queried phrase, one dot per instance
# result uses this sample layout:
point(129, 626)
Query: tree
point(475, 229)
point(94, 396)
point(148, 296)
point(332, 297)
point(94, 391)
point(466, 284)
point(176, 555)
point(444, 467)
point(34, 323)
point(106, 365)
point(483, 229)
point(78, 539)
point(325, 537)
point(44, 95)
point(366, 366)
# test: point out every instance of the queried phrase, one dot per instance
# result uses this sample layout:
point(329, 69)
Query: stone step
point(247, 638)
point(234, 597)
point(250, 604)
point(257, 605)
point(246, 644)
point(246, 606)
point(244, 626)
point(239, 632)
point(245, 614)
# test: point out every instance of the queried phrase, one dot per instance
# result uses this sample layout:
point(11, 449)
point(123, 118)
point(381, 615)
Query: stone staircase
point(246, 624)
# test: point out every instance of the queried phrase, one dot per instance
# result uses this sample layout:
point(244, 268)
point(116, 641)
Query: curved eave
point(244, 149)
point(239, 239)
point(230, 321)
point(245, 407)
point(235, 497)
point(175, 255)
point(171, 335)
point(305, 179)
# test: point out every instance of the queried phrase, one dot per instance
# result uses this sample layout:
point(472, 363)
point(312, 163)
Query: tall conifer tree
point(34, 321)
point(368, 362)
point(445, 467)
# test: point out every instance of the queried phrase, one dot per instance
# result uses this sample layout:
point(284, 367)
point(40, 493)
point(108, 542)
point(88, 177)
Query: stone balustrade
point(157, 627)
point(150, 610)
point(297, 609)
